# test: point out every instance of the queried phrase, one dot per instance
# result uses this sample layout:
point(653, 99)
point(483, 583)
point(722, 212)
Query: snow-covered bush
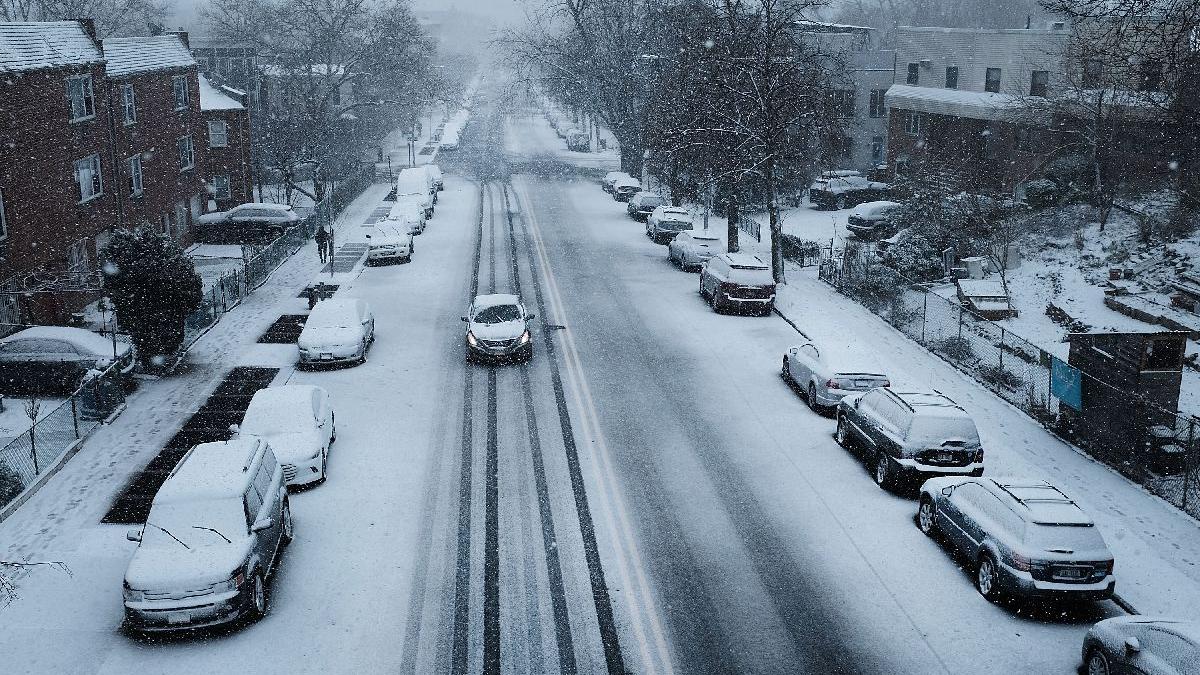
point(955, 348)
point(10, 484)
point(914, 257)
point(1042, 193)
point(1001, 377)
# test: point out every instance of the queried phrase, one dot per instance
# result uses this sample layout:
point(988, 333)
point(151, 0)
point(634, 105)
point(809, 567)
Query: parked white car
point(690, 249)
point(298, 422)
point(338, 330)
point(389, 244)
point(413, 183)
point(213, 538)
point(435, 174)
point(254, 212)
point(664, 222)
point(612, 177)
point(626, 187)
point(408, 215)
point(825, 376)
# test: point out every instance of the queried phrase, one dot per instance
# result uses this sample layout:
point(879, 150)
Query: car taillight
point(979, 456)
point(885, 383)
point(1108, 567)
point(239, 579)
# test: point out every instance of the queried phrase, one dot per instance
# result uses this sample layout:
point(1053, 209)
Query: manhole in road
point(225, 406)
point(286, 330)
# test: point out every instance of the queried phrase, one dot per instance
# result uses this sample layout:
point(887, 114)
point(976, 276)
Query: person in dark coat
point(322, 238)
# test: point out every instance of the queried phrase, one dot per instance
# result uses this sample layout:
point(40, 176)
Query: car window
point(1180, 654)
point(22, 347)
point(869, 402)
point(262, 479)
point(253, 502)
point(970, 495)
point(498, 314)
point(892, 414)
point(1001, 515)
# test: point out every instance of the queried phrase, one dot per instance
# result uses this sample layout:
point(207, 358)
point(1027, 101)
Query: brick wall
point(233, 160)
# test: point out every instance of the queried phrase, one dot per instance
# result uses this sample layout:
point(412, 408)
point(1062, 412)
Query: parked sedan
point(642, 204)
point(498, 329)
point(626, 188)
point(298, 422)
point(338, 330)
point(1022, 538)
point(254, 222)
point(664, 222)
point(611, 178)
point(690, 249)
point(825, 378)
point(843, 191)
point(1143, 645)
point(870, 221)
point(50, 360)
point(387, 244)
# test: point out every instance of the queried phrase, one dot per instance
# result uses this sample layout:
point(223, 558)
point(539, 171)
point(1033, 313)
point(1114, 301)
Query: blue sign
point(1066, 382)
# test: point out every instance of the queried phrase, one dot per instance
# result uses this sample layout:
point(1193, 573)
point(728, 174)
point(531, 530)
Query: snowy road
point(645, 496)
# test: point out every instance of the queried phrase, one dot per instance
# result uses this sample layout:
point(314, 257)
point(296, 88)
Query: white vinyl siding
point(80, 97)
point(87, 176)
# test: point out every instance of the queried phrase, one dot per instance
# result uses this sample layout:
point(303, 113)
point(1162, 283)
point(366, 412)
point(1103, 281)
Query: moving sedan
point(338, 330)
point(498, 329)
point(298, 421)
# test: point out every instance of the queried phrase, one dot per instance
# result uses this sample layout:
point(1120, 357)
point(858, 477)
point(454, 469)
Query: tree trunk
point(776, 224)
point(733, 215)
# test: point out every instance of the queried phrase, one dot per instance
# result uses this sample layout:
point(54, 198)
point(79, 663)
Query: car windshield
point(677, 225)
point(1064, 538)
point(498, 314)
point(933, 430)
point(184, 521)
point(266, 417)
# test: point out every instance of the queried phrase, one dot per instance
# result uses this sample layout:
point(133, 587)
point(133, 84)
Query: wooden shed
point(985, 298)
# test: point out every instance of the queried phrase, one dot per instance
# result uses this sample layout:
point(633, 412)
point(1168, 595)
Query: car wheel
point(883, 471)
point(841, 202)
point(288, 527)
point(842, 434)
point(786, 370)
point(333, 431)
point(258, 597)
point(702, 293)
point(324, 466)
point(811, 398)
point(925, 515)
point(985, 577)
point(1097, 663)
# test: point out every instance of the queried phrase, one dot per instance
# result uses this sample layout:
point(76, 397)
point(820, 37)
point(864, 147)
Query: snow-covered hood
point(388, 240)
point(313, 337)
point(294, 446)
point(168, 568)
point(508, 330)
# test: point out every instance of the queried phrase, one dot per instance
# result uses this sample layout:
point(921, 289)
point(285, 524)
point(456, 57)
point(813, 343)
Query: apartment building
point(228, 171)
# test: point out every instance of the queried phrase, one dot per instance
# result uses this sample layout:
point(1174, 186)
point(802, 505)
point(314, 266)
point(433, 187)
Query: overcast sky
point(186, 12)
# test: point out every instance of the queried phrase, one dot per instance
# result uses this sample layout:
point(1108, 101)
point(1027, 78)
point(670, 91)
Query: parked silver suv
point(1024, 538)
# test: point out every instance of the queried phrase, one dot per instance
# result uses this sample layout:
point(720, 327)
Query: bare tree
point(112, 17)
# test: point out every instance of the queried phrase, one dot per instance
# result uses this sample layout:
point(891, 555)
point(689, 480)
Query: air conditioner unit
point(926, 63)
point(1058, 25)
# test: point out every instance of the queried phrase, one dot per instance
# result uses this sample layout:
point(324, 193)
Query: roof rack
point(1061, 499)
point(898, 397)
point(256, 446)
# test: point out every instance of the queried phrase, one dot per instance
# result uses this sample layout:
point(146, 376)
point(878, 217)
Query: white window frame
point(217, 187)
point(3, 218)
point(912, 123)
point(88, 100)
point(179, 85)
point(191, 153)
point(136, 189)
point(213, 135)
point(77, 256)
point(98, 175)
point(129, 104)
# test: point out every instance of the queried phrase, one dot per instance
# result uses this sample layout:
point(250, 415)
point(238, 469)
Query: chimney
point(89, 27)
point(183, 37)
point(1028, 20)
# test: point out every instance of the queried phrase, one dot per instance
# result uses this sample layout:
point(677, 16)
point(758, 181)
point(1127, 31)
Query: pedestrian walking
point(329, 244)
point(322, 238)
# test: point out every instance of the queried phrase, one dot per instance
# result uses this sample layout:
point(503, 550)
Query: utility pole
point(708, 198)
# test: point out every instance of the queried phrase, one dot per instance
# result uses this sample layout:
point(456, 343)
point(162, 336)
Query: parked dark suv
point(842, 191)
point(909, 435)
point(1024, 538)
point(738, 281)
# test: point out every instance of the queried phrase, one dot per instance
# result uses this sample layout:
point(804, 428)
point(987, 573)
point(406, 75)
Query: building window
point(164, 225)
point(87, 176)
point(128, 104)
point(218, 134)
point(1039, 83)
point(878, 109)
point(1024, 139)
point(877, 148)
point(79, 93)
point(1151, 76)
point(914, 73)
point(187, 157)
point(1093, 74)
point(912, 123)
point(221, 187)
point(991, 80)
point(3, 219)
point(843, 102)
point(135, 176)
point(952, 77)
point(843, 146)
point(182, 97)
point(77, 256)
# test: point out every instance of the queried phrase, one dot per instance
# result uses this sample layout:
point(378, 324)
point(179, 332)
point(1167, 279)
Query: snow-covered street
point(646, 495)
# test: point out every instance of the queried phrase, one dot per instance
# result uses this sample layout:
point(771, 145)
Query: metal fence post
point(1001, 351)
point(924, 314)
point(1190, 459)
point(75, 415)
point(33, 449)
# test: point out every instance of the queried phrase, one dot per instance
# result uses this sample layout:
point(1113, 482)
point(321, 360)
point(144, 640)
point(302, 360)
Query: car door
point(272, 506)
point(957, 508)
point(807, 363)
point(861, 417)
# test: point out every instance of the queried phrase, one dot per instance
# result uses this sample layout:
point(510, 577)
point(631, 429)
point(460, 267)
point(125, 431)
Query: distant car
point(907, 435)
point(843, 191)
point(435, 175)
point(625, 188)
point(255, 212)
point(213, 539)
point(579, 141)
point(1023, 538)
point(408, 215)
point(338, 330)
point(738, 281)
point(389, 244)
point(642, 204)
point(50, 360)
point(611, 178)
point(298, 422)
point(246, 223)
point(498, 329)
point(414, 183)
point(690, 249)
point(1142, 645)
point(449, 141)
point(665, 222)
point(826, 378)
point(871, 221)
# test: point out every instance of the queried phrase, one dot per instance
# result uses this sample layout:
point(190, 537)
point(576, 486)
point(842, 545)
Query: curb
point(1124, 604)
point(790, 323)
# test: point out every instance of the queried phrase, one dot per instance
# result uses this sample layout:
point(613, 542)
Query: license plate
point(862, 384)
point(326, 357)
point(178, 617)
point(1071, 573)
point(944, 457)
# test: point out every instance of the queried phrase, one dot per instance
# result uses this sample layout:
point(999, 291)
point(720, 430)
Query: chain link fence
point(1164, 456)
point(29, 455)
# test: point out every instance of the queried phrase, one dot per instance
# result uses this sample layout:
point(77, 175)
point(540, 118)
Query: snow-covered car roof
point(613, 175)
point(493, 299)
point(627, 181)
point(271, 206)
point(211, 471)
point(277, 409)
point(333, 312)
point(869, 209)
point(93, 343)
point(701, 235)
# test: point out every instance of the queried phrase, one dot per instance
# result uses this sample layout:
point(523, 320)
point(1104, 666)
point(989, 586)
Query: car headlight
point(471, 339)
point(230, 585)
point(525, 337)
point(133, 594)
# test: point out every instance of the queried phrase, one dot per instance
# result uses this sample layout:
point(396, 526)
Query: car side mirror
point(133, 534)
point(234, 429)
point(530, 317)
point(463, 318)
point(368, 236)
point(948, 490)
point(1132, 645)
point(262, 524)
